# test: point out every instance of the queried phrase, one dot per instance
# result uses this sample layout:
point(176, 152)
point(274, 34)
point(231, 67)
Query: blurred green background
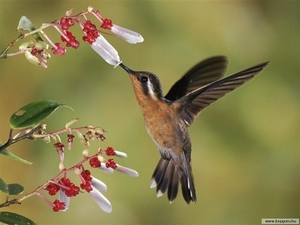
point(245, 154)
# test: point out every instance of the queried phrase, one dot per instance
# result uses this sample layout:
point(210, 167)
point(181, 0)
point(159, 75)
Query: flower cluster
point(36, 52)
point(103, 159)
point(90, 31)
point(70, 41)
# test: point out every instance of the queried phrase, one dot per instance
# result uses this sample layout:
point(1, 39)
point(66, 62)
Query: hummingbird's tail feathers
point(173, 186)
point(166, 178)
point(193, 103)
point(159, 172)
point(188, 187)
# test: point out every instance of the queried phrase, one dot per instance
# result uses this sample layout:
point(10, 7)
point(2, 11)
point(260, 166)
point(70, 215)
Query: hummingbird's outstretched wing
point(201, 74)
point(193, 103)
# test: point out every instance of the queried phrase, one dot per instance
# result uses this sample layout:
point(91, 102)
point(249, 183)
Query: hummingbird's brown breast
point(163, 126)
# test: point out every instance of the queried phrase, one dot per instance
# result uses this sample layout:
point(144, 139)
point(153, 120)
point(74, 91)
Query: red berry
point(86, 186)
point(106, 24)
point(91, 32)
point(110, 151)
point(59, 146)
point(66, 23)
point(58, 50)
point(111, 164)
point(94, 162)
point(57, 205)
point(52, 188)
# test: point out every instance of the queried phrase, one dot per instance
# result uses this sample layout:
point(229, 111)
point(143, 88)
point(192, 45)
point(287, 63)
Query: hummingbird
point(168, 117)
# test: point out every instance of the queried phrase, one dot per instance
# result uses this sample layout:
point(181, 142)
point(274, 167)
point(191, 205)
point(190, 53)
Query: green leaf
point(11, 189)
point(13, 156)
point(34, 113)
point(15, 189)
point(3, 187)
point(26, 24)
point(13, 218)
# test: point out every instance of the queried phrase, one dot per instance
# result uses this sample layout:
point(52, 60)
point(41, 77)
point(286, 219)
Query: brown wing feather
point(201, 74)
point(193, 103)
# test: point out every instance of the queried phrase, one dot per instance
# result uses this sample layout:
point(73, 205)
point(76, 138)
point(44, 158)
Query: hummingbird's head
point(146, 85)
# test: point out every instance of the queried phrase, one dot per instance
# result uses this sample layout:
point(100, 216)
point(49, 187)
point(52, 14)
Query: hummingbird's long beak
point(126, 68)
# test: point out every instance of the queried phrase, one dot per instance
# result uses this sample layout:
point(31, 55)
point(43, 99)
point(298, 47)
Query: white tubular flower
point(101, 200)
point(127, 171)
point(64, 198)
point(120, 154)
point(106, 51)
point(105, 169)
point(129, 36)
point(98, 184)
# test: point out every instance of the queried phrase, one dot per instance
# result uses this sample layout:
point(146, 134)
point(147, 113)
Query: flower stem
point(11, 140)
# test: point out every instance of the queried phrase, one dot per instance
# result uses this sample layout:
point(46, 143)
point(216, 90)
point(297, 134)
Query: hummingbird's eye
point(144, 79)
